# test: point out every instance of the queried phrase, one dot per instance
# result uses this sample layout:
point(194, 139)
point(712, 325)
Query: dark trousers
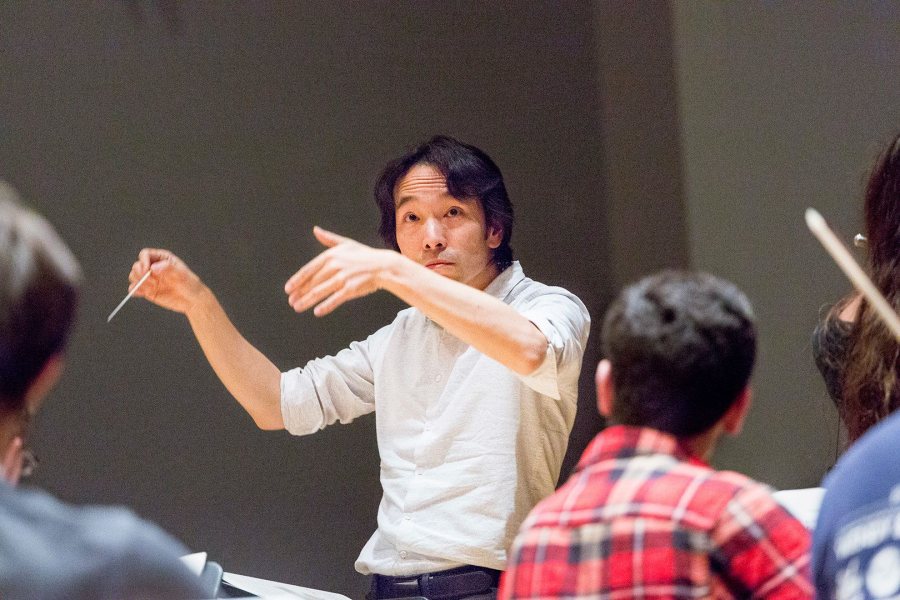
point(462, 583)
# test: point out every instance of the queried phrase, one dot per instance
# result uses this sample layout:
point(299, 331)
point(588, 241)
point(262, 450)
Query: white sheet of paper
point(195, 562)
point(803, 503)
point(273, 589)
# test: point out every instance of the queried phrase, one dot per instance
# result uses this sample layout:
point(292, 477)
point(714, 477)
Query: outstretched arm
point(349, 270)
point(248, 375)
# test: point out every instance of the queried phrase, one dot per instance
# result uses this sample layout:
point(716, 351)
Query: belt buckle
point(424, 584)
point(407, 589)
point(453, 585)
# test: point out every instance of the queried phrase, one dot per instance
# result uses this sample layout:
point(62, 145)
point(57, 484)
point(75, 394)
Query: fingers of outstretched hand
point(331, 303)
point(137, 271)
point(330, 267)
point(301, 300)
point(298, 280)
point(328, 238)
point(333, 265)
point(355, 287)
point(149, 256)
point(155, 260)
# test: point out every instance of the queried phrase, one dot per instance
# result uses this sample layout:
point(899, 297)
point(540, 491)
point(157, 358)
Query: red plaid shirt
point(642, 518)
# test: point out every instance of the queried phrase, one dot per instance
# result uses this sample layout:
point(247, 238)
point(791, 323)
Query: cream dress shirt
point(467, 446)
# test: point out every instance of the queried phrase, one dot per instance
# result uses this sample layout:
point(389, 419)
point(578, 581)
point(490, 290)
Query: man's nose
point(435, 236)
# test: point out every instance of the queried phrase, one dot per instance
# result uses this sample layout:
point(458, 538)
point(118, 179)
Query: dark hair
point(470, 173)
point(39, 280)
point(682, 347)
point(870, 388)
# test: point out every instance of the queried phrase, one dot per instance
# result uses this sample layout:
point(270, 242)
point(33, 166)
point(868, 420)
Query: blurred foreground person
point(48, 549)
point(644, 515)
point(856, 545)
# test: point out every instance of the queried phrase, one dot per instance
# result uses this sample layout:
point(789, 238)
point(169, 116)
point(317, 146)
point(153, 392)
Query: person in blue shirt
point(856, 543)
point(49, 549)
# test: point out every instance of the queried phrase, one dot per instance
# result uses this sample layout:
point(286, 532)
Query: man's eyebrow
point(409, 198)
point(403, 201)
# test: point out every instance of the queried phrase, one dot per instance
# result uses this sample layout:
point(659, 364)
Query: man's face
point(443, 233)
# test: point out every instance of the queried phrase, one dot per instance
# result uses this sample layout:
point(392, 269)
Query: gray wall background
point(782, 106)
point(632, 137)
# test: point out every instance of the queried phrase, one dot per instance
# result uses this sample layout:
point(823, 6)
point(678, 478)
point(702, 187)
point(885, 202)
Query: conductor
point(474, 386)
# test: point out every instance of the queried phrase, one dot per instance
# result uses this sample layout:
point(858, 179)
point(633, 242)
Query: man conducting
point(644, 515)
point(475, 384)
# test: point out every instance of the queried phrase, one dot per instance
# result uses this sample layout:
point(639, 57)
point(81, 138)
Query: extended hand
point(345, 271)
point(172, 284)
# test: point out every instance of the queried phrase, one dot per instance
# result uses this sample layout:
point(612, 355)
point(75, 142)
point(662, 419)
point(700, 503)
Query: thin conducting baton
point(852, 270)
point(128, 297)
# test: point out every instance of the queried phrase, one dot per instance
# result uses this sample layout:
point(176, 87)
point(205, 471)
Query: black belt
point(460, 582)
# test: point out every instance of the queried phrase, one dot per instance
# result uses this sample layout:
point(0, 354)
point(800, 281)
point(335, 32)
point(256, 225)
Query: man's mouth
point(434, 264)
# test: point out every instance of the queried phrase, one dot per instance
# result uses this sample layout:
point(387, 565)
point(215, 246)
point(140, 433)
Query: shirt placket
point(433, 389)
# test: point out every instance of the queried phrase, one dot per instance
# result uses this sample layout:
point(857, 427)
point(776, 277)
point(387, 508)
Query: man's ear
point(494, 236)
point(733, 419)
point(44, 382)
point(604, 382)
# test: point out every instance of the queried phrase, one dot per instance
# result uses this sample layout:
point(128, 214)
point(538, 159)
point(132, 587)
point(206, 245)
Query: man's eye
point(454, 212)
point(411, 218)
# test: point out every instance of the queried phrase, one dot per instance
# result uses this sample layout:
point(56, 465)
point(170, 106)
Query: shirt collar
point(503, 283)
point(623, 441)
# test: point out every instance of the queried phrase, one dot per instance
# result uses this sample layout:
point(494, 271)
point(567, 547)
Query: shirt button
point(437, 378)
point(407, 518)
point(418, 472)
point(403, 554)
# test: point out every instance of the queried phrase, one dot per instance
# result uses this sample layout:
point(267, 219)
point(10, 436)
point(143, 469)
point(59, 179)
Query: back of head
point(469, 172)
point(871, 383)
point(39, 280)
point(682, 347)
point(882, 216)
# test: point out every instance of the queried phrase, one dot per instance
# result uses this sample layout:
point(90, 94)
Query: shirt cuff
point(300, 406)
point(545, 379)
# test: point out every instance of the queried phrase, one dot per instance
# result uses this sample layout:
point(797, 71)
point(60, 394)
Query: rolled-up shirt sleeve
point(333, 388)
point(564, 321)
